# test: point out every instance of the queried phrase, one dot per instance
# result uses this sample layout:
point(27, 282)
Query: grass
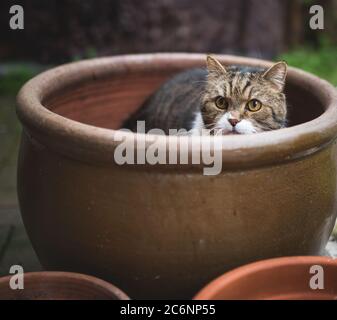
point(320, 61)
point(14, 75)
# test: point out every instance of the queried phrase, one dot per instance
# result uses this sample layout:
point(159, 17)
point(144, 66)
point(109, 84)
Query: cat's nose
point(233, 122)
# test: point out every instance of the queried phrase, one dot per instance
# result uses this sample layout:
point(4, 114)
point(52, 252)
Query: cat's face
point(240, 102)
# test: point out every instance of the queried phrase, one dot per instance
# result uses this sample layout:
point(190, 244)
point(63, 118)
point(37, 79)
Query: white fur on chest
point(198, 125)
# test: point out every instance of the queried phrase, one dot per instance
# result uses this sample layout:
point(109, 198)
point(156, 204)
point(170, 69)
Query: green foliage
point(320, 61)
point(309, 2)
point(13, 76)
point(88, 53)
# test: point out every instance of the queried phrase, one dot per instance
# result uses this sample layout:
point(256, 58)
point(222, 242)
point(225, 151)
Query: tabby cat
point(223, 99)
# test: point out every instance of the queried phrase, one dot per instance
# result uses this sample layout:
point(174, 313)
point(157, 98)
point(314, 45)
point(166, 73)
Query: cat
point(223, 99)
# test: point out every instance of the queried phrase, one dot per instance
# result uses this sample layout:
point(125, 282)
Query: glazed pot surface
point(164, 231)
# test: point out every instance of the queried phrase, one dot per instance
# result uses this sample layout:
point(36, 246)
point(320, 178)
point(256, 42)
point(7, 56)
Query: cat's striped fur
point(189, 100)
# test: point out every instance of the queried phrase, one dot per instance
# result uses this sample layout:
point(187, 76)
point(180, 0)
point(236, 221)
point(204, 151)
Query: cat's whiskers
point(189, 99)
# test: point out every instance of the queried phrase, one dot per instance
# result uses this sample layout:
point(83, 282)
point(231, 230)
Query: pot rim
point(86, 142)
point(210, 290)
point(109, 288)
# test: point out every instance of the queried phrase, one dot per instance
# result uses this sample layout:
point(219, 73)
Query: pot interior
point(108, 100)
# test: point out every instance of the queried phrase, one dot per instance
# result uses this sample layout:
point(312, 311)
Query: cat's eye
point(221, 102)
point(254, 105)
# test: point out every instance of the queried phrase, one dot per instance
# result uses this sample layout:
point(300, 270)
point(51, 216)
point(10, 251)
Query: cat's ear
point(276, 74)
point(214, 66)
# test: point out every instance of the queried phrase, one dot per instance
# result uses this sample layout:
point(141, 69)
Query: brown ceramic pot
point(289, 278)
point(163, 231)
point(60, 286)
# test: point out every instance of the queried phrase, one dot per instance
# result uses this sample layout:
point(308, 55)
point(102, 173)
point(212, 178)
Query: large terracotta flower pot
point(60, 286)
point(288, 278)
point(163, 231)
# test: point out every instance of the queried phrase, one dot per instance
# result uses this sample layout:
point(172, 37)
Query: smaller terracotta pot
point(60, 286)
point(285, 278)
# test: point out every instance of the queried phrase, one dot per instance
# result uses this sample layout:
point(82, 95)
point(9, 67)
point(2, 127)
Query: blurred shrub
point(13, 76)
point(320, 61)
